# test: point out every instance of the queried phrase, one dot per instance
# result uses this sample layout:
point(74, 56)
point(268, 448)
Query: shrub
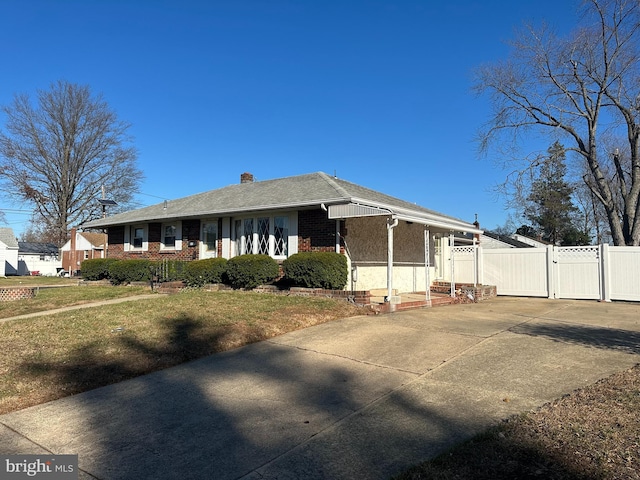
point(169, 270)
point(96, 268)
point(125, 271)
point(201, 272)
point(249, 271)
point(316, 270)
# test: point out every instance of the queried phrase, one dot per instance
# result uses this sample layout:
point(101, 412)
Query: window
point(280, 236)
point(139, 236)
point(262, 235)
point(238, 237)
point(248, 236)
point(171, 238)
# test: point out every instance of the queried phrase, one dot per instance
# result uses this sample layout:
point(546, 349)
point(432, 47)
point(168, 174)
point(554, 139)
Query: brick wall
point(359, 297)
point(317, 233)
point(190, 231)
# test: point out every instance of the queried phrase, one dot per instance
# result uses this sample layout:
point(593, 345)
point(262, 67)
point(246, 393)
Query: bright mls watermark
point(49, 467)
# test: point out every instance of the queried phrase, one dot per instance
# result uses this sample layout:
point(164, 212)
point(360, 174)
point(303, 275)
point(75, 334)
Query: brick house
point(383, 237)
point(82, 246)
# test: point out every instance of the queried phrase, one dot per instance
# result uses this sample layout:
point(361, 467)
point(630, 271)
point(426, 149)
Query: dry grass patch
point(50, 357)
point(52, 298)
point(593, 433)
point(23, 280)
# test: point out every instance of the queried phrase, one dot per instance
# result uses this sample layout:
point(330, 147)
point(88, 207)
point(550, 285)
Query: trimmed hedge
point(249, 271)
point(201, 272)
point(125, 271)
point(316, 270)
point(96, 268)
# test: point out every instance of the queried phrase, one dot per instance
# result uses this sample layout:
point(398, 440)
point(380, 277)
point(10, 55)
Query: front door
point(209, 244)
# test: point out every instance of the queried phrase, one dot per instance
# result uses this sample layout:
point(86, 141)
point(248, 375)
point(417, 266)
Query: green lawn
point(62, 295)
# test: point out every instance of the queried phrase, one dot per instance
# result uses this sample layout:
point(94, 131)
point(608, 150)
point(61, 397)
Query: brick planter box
point(359, 297)
point(478, 292)
point(9, 294)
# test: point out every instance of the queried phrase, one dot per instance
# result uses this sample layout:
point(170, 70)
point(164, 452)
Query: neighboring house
point(8, 252)
point(35, 258)
point(491, 240)
point(383, 237)
point(530, 241)
point(82, 246)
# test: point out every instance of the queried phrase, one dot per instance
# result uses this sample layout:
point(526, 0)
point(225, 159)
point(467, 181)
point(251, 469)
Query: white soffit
point(349, 210)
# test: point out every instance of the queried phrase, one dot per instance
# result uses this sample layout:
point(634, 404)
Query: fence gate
point(578, 272)
point(517, 271)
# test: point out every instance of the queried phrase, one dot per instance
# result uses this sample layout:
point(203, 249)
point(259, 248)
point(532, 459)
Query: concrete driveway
point(363, 397)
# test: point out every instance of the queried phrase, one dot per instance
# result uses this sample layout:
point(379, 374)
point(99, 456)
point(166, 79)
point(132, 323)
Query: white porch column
point(338, 236)
point(427, 264)
point(391, 224)
point(453, 279)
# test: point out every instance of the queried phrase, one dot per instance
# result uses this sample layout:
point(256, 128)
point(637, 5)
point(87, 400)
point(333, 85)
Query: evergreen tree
point(549, 207)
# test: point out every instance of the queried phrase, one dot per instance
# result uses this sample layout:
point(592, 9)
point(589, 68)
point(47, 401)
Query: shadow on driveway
point(590, 336)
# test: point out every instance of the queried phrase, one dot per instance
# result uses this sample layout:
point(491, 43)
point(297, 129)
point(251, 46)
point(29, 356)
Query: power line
point(14, 210)
point(154, 196)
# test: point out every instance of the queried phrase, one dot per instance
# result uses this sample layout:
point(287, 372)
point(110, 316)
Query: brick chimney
point(246, 177)
point(72, 252)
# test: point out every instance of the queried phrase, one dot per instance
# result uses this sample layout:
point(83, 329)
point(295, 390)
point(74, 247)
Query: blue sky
point(377, 92)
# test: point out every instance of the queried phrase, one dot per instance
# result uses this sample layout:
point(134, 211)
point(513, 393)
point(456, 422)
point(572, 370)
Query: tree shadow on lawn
point(627, 341)
point(264, 406)
point(208, 418)
point(122, 357)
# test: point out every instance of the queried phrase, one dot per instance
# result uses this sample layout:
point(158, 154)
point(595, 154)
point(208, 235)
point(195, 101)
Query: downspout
point(391, 224)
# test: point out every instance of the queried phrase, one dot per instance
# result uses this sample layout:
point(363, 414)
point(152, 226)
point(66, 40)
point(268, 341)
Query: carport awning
point(350, 210)
point(354, 209)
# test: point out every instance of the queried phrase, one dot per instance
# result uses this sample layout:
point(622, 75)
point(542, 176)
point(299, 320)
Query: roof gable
point(8, 237)
point(97, 240)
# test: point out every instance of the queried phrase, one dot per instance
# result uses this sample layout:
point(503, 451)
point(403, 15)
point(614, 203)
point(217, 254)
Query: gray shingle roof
point(507, 240)
point(300, 191)
point(38, 248)
point(8, 237)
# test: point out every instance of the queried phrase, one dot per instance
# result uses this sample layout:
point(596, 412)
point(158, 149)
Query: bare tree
point(578, 88)
point(60, 153)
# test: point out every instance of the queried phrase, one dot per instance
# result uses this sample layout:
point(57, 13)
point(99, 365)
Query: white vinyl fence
point(597, 272)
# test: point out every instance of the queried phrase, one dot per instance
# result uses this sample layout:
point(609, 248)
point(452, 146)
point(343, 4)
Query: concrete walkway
point(363, 397)
point(84, 305)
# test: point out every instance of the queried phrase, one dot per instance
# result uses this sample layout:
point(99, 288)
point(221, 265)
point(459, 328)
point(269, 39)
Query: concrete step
point(382, 292)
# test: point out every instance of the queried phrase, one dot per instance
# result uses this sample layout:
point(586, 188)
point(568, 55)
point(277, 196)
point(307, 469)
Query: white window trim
point(128, 240)
point(292, 237)
point(178, 244)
